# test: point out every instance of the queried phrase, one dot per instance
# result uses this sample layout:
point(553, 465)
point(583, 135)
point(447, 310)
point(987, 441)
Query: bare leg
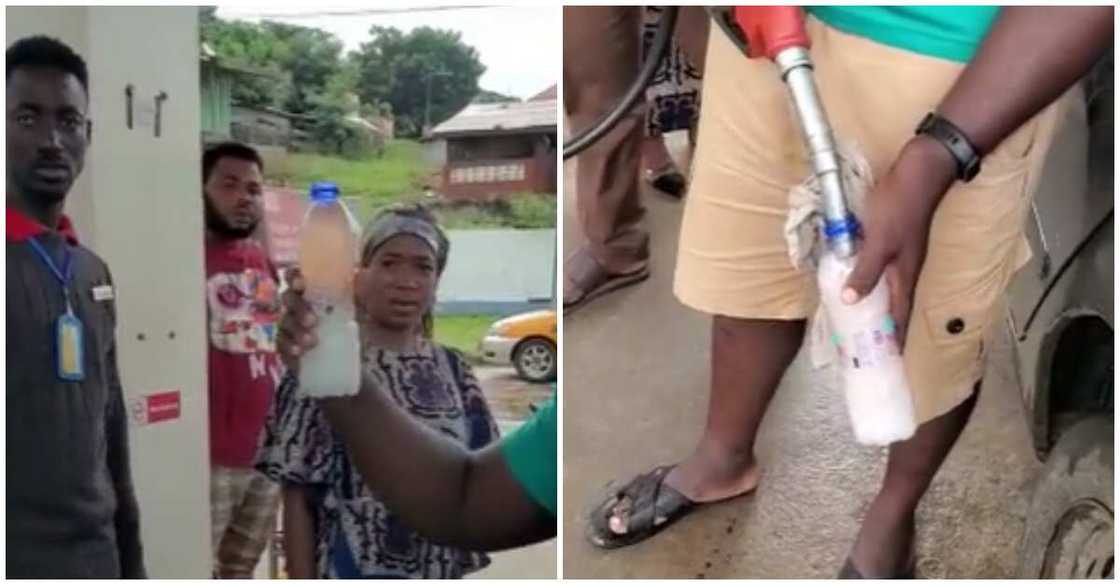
point(885, 540)
point(749, 357)
point(658, 168)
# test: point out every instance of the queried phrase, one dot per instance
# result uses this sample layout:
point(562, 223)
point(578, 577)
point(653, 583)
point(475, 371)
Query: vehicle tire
point(535, 360)
point(1069, 532)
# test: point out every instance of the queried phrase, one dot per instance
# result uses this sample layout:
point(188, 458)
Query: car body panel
point(501, 340)
point(1070, 231)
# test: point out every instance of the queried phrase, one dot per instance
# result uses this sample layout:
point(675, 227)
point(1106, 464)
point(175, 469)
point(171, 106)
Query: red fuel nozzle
point(769, 29)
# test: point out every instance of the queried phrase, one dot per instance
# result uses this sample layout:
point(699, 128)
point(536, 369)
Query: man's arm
point(437, 487)
point(127, 521)
point(1031, 55)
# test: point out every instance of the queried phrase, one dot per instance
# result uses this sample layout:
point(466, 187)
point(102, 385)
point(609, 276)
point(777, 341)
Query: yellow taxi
point(528, 341)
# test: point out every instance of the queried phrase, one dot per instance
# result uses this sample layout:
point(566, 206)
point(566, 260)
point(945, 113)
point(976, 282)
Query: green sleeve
point(530, 452)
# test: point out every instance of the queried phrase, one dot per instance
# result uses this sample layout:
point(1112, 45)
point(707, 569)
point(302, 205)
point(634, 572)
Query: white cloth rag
point(805, 242)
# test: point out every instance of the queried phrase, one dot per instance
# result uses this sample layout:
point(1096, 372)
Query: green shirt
point(946, 32)
point(530, 452)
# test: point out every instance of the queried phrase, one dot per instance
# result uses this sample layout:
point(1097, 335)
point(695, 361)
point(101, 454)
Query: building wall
point(435, 152)
point(485, 167)
point(499, 271)
point(260, 127)
point(483, 180)
point(217, 95)
point(492, 147)
point(137, 204)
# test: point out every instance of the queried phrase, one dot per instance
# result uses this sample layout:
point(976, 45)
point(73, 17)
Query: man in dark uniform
point(71, 508)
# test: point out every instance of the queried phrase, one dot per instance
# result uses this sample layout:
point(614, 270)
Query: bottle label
point(868, 348)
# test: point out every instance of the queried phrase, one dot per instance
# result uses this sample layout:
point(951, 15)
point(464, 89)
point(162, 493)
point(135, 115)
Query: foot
point(885, 544)
point(712, 474)
point(668, 180)
point(659, 169)
point(706, 476)
point(585, 279)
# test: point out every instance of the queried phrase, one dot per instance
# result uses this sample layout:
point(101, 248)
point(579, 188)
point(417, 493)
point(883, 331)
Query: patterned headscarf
point(413, 220)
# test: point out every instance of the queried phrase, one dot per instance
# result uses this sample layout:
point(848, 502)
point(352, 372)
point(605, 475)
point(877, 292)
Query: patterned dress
point(434, 385)
point(673, 95)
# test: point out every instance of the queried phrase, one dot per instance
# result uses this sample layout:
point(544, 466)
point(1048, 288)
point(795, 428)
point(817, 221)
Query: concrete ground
point(635, 393)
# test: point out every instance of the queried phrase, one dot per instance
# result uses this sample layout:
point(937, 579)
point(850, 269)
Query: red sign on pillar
point(162, 406)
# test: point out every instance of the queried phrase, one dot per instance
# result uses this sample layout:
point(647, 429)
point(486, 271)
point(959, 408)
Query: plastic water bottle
point(875, 386)
point(327, 258)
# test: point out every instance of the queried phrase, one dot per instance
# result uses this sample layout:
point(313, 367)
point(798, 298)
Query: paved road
point(509, 396)
point(635, 393)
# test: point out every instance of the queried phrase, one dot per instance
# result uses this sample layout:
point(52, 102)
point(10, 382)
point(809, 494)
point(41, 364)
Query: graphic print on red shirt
point(243, 306)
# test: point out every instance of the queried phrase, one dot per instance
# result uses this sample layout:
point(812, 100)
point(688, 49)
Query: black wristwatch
point(958, 145)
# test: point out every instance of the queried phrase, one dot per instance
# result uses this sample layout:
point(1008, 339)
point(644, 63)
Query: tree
point(330, 110)
point(246, 45)
point(396, 68)
point(311, 56)
point(301, 60)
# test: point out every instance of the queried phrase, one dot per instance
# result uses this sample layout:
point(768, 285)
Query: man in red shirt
point(243, 308)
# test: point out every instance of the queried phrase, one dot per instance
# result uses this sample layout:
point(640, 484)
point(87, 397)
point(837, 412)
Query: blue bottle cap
point(324, 191)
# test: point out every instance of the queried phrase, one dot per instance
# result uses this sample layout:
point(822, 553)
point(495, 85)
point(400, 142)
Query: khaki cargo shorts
point(732, 257)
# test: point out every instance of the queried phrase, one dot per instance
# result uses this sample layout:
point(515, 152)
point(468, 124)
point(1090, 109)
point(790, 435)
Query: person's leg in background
point(674, 97)
point(224, 496)
point(693, 27)
point(251, 523)
point(601, 49)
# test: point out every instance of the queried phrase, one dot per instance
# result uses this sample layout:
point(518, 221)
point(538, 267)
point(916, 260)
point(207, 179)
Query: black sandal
point(653, 506)
point(668, 180)
point(586, 280)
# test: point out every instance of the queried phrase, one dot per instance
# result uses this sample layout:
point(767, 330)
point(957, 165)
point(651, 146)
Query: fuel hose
point(608, 121)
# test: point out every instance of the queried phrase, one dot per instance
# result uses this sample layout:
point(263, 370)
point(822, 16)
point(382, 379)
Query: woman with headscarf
point(673, 95)
point(334, 525)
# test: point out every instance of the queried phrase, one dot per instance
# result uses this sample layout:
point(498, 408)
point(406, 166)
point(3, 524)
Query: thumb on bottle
point(869, 267)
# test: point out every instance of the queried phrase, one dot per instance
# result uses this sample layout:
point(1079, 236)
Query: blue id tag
point(69, 347)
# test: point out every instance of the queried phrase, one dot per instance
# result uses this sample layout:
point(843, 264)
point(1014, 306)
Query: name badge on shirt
point(69, 343)
point(102, 293)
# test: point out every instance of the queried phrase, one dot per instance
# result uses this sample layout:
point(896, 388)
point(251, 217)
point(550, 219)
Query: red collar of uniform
point(21, 227)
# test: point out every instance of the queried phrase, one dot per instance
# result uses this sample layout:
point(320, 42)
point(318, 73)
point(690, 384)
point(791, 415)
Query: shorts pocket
point(965, 314)
point(956, 329)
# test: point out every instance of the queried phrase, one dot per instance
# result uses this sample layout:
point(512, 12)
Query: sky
point(519, 45)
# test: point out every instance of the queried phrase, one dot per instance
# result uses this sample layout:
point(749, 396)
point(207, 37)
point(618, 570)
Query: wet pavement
point(636, 385)
point(509, 398)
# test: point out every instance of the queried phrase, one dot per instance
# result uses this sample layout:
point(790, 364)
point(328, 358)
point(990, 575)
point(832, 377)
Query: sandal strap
point(583, 271)
point(651, 501)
